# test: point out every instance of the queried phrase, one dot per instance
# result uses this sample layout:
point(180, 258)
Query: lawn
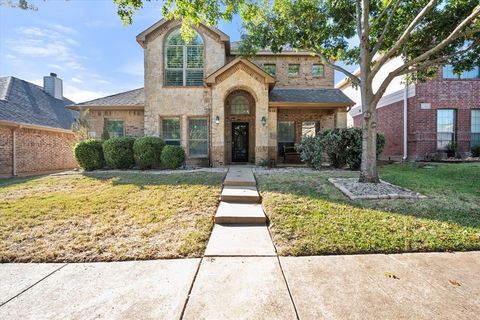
point(106, 217)
point(308, 216)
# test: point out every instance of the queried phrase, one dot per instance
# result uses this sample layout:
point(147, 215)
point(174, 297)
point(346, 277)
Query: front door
point(239, 141)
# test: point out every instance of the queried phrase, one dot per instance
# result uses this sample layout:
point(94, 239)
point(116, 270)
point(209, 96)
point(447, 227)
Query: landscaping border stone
point(400, 192)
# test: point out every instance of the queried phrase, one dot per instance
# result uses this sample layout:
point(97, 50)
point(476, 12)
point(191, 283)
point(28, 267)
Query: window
point(239, 106)
point(113, 128)
point(310, 128)
point(448, 73)
point(171, 131)
point(293, 69)
point(286, 136)
point(198, 138)
point(183, 61)
point(270, 68)
point(318, 70)
point(475, 141)
point(445, 128)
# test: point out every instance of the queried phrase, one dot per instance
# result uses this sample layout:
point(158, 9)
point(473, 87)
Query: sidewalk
point(241, 277)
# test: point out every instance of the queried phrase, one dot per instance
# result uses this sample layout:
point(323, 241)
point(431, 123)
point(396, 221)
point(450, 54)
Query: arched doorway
point(239, 127)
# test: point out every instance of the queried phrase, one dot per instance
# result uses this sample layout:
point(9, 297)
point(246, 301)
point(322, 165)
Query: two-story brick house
point(222, 108)
point(420, 119)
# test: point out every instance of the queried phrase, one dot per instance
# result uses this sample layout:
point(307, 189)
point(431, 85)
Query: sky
point(84, 42)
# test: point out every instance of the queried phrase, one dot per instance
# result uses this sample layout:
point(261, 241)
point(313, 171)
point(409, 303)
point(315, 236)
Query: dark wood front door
point(239, 141)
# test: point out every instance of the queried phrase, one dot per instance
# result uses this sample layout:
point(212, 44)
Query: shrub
point(89, 154)
point(335, 143)
point(118, 152)
point(451, 149)
point(354, 149)
point(147, 151)
point(172, 157)
point(476, 151)
point(310, 150)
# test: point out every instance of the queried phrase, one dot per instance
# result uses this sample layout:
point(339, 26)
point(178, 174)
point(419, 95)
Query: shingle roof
point(309, 95)
point(128, 98)
point(235, 48)
point(25, 102)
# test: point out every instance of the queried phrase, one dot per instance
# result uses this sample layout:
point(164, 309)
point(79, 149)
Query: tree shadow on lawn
point(451, 207)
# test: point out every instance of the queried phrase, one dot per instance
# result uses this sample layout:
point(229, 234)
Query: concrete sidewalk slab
point(240, 194)
point(114, 290)
point(382, 286)
point(16, 277)
point(239, 288)
point(239, 176)
point(240, 240)
point(241, 213)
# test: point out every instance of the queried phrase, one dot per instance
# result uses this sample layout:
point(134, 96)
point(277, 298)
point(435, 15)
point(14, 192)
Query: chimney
point(53, 86)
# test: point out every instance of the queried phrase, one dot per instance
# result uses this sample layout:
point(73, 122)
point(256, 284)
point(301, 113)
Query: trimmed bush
point(89, 154)
point(310, 150)
point(476, 151)
point(118, 152)
point(147, 151)
point(172, 157)
point(335, 143)
point(353, 154)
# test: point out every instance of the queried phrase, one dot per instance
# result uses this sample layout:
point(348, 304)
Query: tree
point(21, 4)
point(425, 33)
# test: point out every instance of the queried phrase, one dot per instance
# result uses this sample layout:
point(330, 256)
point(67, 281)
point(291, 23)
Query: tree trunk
point(368, 170)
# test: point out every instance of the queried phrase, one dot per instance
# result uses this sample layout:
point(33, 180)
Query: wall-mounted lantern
point(217, 119)
point(264, 121)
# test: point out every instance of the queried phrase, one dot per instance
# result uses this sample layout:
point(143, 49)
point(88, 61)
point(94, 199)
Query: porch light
point(217, 119)
point(264, 121)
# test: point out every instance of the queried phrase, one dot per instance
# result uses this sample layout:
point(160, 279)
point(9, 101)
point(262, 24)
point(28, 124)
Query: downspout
point(14, 152)
point(405, 124)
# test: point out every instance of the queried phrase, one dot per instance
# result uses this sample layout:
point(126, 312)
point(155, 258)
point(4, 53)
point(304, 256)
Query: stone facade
point(133, 121)
point(36, 151)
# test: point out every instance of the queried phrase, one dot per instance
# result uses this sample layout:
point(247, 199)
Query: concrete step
point(238, 176)
point(240, 194)
point(240, 240)
point(240, 213)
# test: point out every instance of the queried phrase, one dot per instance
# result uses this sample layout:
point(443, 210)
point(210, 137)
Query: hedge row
point(342, 146)
point(126, 152)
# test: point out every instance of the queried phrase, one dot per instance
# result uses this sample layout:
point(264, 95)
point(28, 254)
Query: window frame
point(189, 140)
point(246, 100)
point(274, 65)
point(474, 135)
point(293, 74)
point(322, 75)
point(184, 67)
point(106, 119)
point(161, 133)
point(453, 133)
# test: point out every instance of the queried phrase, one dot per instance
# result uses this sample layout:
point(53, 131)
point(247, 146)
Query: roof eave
point(21, 125)
point(105, 107)
point(325, 105)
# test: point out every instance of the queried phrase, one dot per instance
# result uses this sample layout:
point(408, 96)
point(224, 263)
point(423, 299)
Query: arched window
point(183, 61)
point(239, 106)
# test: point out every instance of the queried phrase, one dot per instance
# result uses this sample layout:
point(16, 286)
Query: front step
point(240, 177)
point(240, 213)
point(240, 194)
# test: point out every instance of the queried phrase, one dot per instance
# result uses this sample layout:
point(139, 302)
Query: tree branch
point(404, 37)
point(350, 75)
point(385, 29)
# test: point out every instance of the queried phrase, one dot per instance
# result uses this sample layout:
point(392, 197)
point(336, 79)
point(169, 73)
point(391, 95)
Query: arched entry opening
point(239, 127)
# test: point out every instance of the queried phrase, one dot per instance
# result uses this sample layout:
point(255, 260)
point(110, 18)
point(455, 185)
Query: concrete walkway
point(241, 277)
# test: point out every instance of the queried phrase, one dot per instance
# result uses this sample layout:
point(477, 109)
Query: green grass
point(309, 216)
point(106, 217)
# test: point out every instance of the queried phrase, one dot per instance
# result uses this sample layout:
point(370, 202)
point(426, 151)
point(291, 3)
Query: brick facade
point(460, 95)
point(133, 121)
point(36, 151)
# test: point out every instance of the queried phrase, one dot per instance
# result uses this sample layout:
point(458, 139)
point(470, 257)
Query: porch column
point(272, 134)
point(217, 130)
point(340, 118)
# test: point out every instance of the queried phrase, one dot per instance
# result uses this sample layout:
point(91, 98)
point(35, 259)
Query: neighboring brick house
point(220, 107)
point(439, 111)
point(34, 127)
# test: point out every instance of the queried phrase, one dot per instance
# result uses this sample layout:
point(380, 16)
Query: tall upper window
point(445, 128)
point(240, 106)
point(475, 128)
point(183, 61)
point(448, 73)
